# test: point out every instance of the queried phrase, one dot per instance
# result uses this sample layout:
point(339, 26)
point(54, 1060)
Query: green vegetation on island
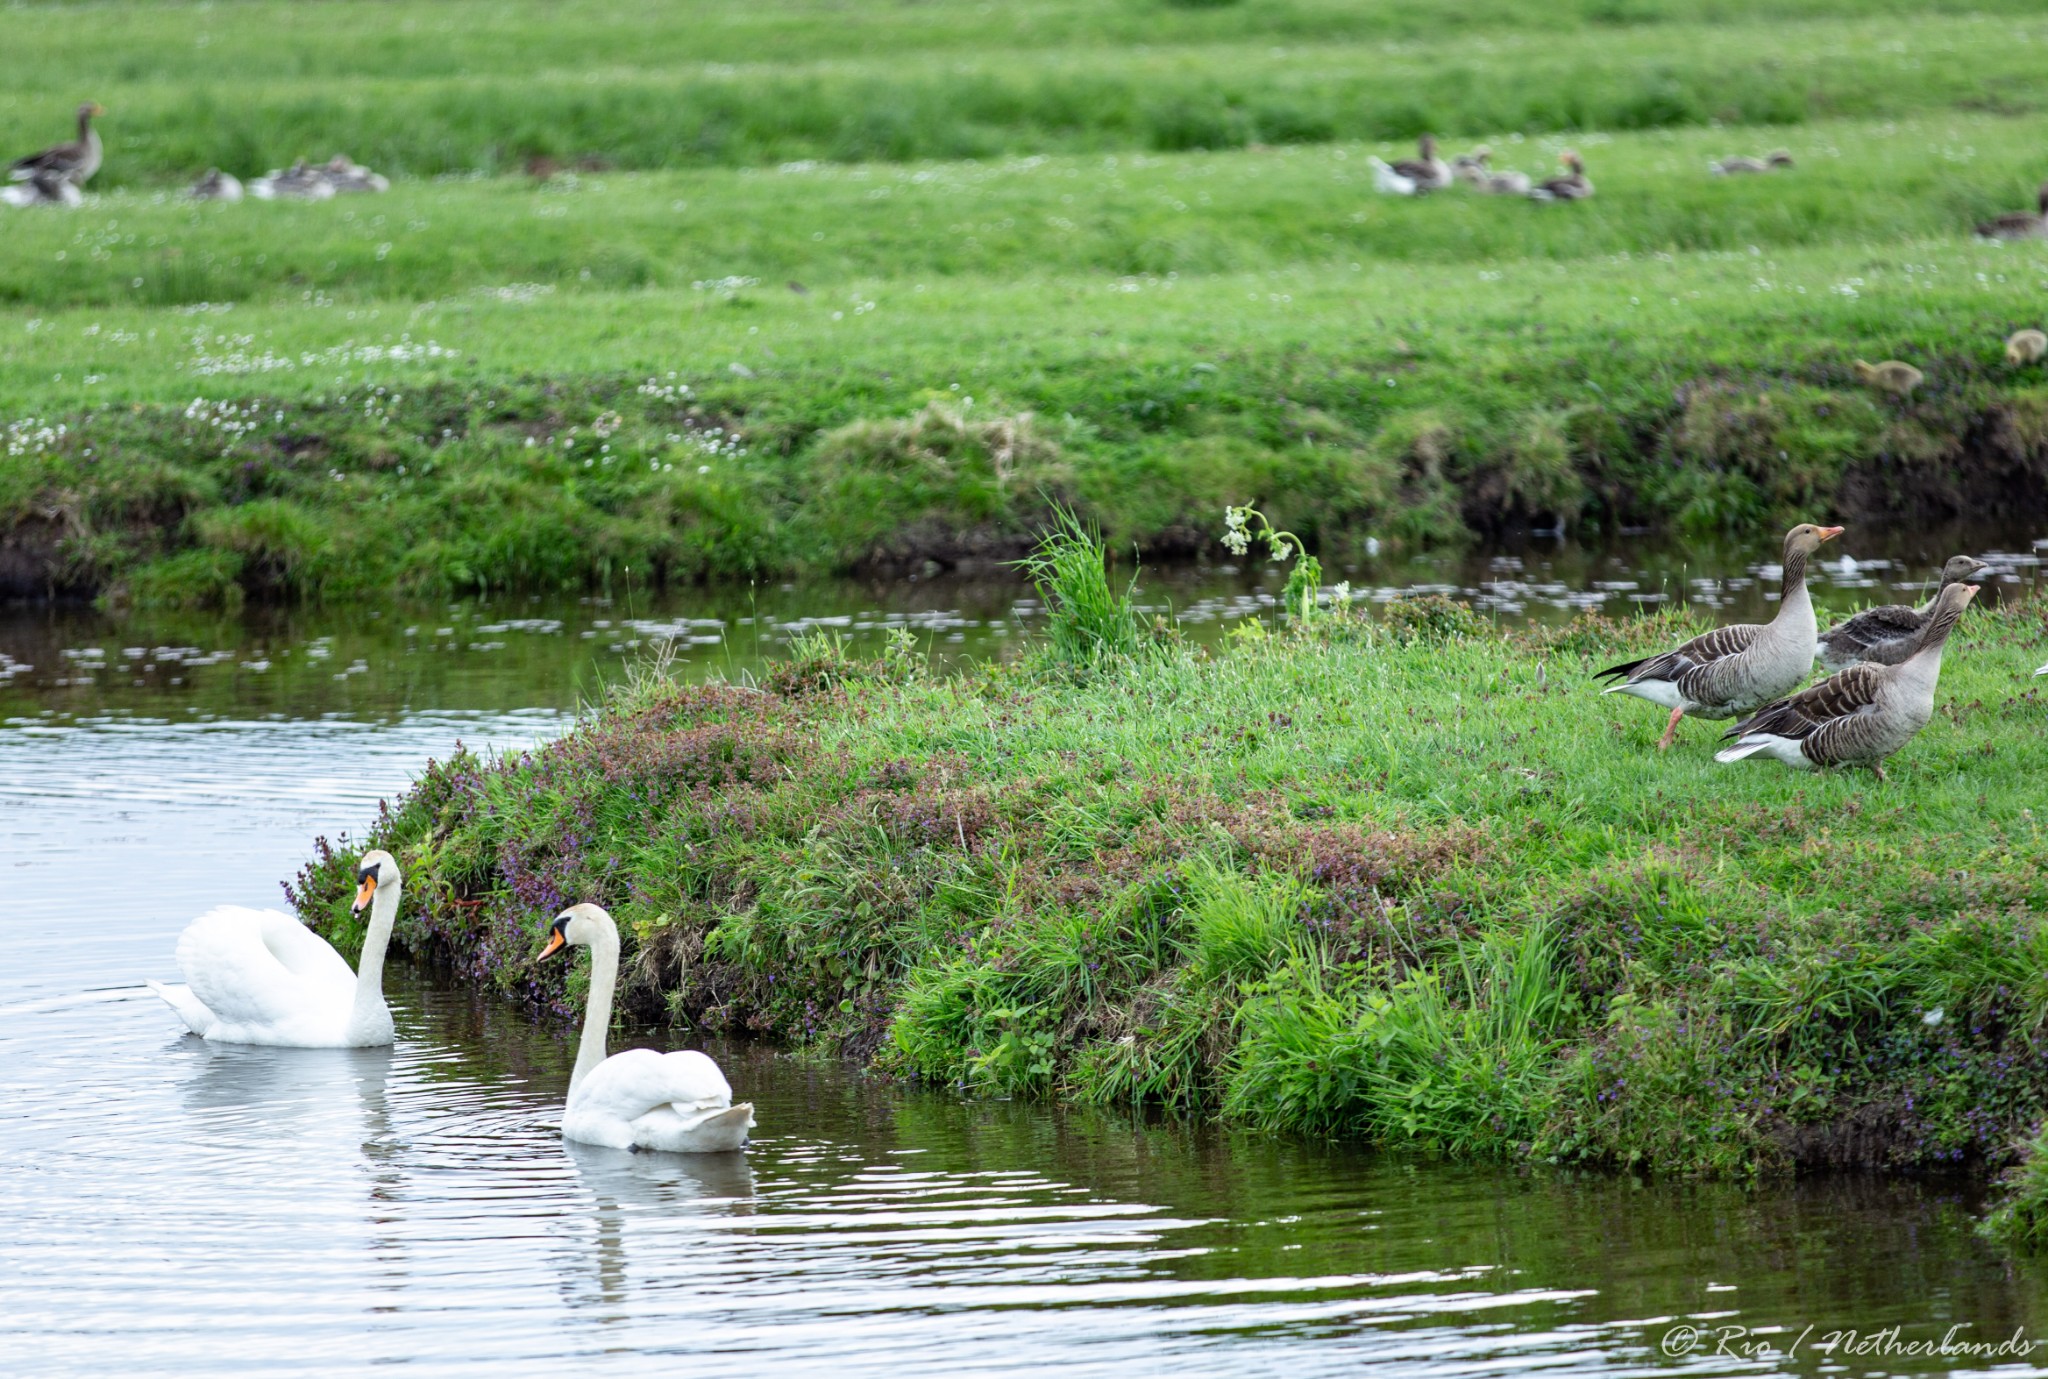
point(1400, 878)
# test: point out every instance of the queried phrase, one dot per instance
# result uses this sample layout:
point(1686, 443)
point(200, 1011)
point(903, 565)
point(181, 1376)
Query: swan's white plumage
point(639, 1099)
point(678, 1102)
point(261, 977)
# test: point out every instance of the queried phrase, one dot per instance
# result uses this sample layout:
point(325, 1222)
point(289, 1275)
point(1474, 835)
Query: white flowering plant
point(1244, 525)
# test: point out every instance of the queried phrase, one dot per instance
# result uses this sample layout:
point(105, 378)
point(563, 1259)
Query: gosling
point(2025, 346)
point(1892, 376)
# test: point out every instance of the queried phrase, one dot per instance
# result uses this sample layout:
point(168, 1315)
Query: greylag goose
point(2020, 224)
point(216, 186)
point(1471, 169)
point(1863, 715)
point(2025, 346)
point(1572, 186)
point(1732, 669)
point(347, 176)
point(75, 162)
point(1891, 376)
point(44, 189)
point(1887, 635)
point(296, 183)
point(1768, 163)
point(1409, 176)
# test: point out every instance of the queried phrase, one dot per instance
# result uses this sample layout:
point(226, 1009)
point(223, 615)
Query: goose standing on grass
point(2020, 224)
point(74, 162)
point(1888, 635)
point(1410, 176)
point(2026, 346)
point(1574, 185)
point(1863, 715)
point(261, 977)
point(1733, 669)
point(216, 186)
point(639, 1099)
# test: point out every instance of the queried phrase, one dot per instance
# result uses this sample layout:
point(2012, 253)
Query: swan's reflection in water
point(625, 1185)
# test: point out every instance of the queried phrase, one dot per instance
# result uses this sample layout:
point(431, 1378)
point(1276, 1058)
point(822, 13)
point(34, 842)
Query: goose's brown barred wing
point(1702, 650)
point(1873, 627)
point(1852, 692)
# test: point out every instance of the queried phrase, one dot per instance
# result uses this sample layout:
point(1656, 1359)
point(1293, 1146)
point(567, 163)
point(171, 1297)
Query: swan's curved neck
point(370, 966)
point(597, 1012)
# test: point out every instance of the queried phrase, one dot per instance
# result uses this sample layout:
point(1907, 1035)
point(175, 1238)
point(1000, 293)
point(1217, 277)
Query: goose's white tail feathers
point(1785, 749)
point(1385, 179)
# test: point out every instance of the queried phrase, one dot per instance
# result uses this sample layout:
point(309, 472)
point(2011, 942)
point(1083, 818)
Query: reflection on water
point(173, 1207)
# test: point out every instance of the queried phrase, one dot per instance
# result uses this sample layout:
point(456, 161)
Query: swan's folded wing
point(303, 952)
point(235, 974)
point(628, 1085)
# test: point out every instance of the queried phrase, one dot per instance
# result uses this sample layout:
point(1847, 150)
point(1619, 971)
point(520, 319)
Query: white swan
point(261, 977)
point(638, 1099)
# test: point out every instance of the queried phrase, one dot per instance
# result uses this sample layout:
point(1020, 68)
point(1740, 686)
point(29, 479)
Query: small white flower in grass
point(1933, 1017)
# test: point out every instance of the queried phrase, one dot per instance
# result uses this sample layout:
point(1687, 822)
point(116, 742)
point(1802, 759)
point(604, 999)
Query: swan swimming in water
point(638, 1099)
point(261, 977)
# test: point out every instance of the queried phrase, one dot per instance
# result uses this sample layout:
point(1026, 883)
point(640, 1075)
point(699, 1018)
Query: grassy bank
point(337, 452)
point(1406, 880)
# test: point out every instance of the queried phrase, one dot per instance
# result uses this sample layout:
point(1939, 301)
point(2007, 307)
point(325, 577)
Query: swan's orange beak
point(556, 943)
point(1830, 533)
point(368, 889)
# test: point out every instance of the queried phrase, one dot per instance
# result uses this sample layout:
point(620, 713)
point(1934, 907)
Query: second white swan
point(639, 1099)
point(261, 977)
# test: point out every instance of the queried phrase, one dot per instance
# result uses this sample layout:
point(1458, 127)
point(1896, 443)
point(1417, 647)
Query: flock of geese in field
point(261, 977)
point(1884, 665)
point(57, 175)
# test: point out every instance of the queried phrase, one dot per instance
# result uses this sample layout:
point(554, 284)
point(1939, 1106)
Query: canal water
point(171, 1207)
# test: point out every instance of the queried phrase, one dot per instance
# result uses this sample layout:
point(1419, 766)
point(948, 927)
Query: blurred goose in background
point(74, 162)
point(216, 186)
point(1574, 185)
point(1770, 162)
point(44, 189)
point(1733, 669)
point(2020, 224)
point(1861, 716)
point(1887, 635)
point(1474, 171)
point(297, 183)
point(348, 176)
point(2025, 346)
point(1409, 176)
point(1892, 376)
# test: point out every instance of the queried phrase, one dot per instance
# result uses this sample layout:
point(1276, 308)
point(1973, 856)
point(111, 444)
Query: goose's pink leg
point(1670, 731)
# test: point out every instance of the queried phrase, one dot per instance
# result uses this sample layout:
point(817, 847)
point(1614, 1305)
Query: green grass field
point(1141, 235)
